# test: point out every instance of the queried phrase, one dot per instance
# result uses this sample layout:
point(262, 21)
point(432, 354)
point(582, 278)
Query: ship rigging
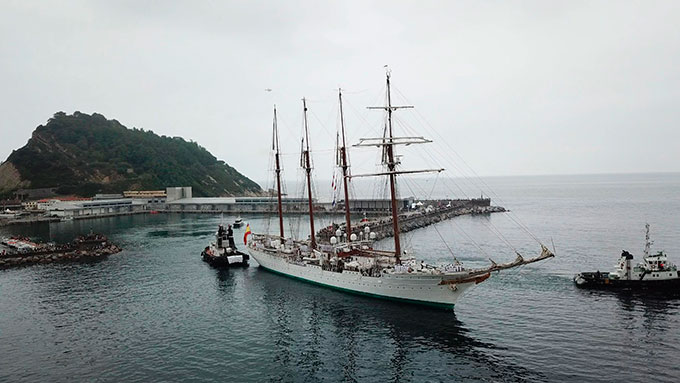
point(351, 263)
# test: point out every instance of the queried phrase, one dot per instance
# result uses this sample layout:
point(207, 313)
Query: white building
point(97, 207)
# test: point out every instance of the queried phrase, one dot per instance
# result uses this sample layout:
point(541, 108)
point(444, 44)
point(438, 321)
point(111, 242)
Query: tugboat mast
point(307, 166)
point(277, 155)
point(648, 242)
point(345, 169)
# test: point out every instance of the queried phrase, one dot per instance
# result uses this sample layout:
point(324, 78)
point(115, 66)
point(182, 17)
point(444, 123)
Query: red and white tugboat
point(654, 272)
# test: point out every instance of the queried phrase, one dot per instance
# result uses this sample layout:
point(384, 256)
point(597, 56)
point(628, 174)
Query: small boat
point(223, 252)
point(364, 220)
point(654, 272)
point(238, 222)
point(19, 243)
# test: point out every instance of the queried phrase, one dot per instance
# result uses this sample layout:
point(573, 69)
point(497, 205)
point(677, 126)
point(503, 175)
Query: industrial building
point(75, 209)
point(180, 199)
point(237, 204)
point(148, 196)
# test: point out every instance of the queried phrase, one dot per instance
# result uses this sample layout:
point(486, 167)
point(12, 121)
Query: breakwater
point(383, 228)
point(28, 221)
point(83, 248)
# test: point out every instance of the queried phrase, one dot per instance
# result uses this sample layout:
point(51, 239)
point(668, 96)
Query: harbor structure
point(75, 209)
point(142, 194)
point(175, 193)
point(181, 200)
point(237, 205)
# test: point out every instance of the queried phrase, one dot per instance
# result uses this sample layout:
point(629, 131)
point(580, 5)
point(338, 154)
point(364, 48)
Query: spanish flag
point(245, 236)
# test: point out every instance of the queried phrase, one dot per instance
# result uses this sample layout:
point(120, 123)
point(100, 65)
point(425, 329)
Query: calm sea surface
point(155, 312)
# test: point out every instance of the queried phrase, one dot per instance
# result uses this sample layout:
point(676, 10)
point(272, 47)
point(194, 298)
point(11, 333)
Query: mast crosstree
point(388, 142)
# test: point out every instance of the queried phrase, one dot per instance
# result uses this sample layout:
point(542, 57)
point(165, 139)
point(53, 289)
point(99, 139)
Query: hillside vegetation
point(86, 154)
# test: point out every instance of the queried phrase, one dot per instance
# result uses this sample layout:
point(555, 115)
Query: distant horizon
point(289, 180)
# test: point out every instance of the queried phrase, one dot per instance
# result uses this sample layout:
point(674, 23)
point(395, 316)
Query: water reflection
point(656, 307)
point(413, 328)
point(315, 329)
point(646, 316)
point(652, 303)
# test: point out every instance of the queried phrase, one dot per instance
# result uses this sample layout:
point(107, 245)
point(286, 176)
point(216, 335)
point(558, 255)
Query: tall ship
point(350, 263)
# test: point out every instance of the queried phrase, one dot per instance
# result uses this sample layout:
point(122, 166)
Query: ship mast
point(391, 167)
point(307, 166)
point(388, 142)
point(277, 156)
point(345, 169)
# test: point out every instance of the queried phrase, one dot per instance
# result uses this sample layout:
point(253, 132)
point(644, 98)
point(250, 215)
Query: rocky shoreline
point(80, 250)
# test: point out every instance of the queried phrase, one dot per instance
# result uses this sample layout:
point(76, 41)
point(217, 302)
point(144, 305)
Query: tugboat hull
point(602, 281)
point(236, 259)
point(223, 253)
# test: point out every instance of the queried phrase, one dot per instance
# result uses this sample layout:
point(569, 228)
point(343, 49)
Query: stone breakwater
point(382, 227)
point(24, 259)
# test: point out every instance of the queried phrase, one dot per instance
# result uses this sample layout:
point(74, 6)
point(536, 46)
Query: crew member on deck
point(230, 237)
point(220, 235)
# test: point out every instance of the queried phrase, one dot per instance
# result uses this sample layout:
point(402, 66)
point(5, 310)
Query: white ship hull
point(418, 288)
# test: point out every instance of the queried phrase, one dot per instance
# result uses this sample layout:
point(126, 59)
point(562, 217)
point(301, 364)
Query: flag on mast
point(247, 233)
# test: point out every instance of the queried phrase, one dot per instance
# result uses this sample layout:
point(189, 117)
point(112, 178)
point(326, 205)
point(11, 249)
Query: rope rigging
point(410, 185)
point(472, 180)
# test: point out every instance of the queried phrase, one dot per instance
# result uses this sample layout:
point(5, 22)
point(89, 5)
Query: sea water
point(155, 312)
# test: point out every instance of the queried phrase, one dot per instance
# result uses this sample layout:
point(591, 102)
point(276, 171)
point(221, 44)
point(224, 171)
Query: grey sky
point(515, 87)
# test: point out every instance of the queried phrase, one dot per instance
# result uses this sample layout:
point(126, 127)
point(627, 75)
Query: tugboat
point(655, 272)
point(223, 252)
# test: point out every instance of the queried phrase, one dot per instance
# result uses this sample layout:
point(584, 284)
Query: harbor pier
point(411, 220)
point(415, 212)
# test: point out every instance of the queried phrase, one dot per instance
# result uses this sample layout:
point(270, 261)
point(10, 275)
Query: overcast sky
point(544, 87)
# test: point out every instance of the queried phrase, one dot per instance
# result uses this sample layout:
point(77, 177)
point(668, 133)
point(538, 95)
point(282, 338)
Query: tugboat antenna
point(648, 242)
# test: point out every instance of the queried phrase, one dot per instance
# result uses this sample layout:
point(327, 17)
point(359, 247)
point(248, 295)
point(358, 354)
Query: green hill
point(86, 154)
